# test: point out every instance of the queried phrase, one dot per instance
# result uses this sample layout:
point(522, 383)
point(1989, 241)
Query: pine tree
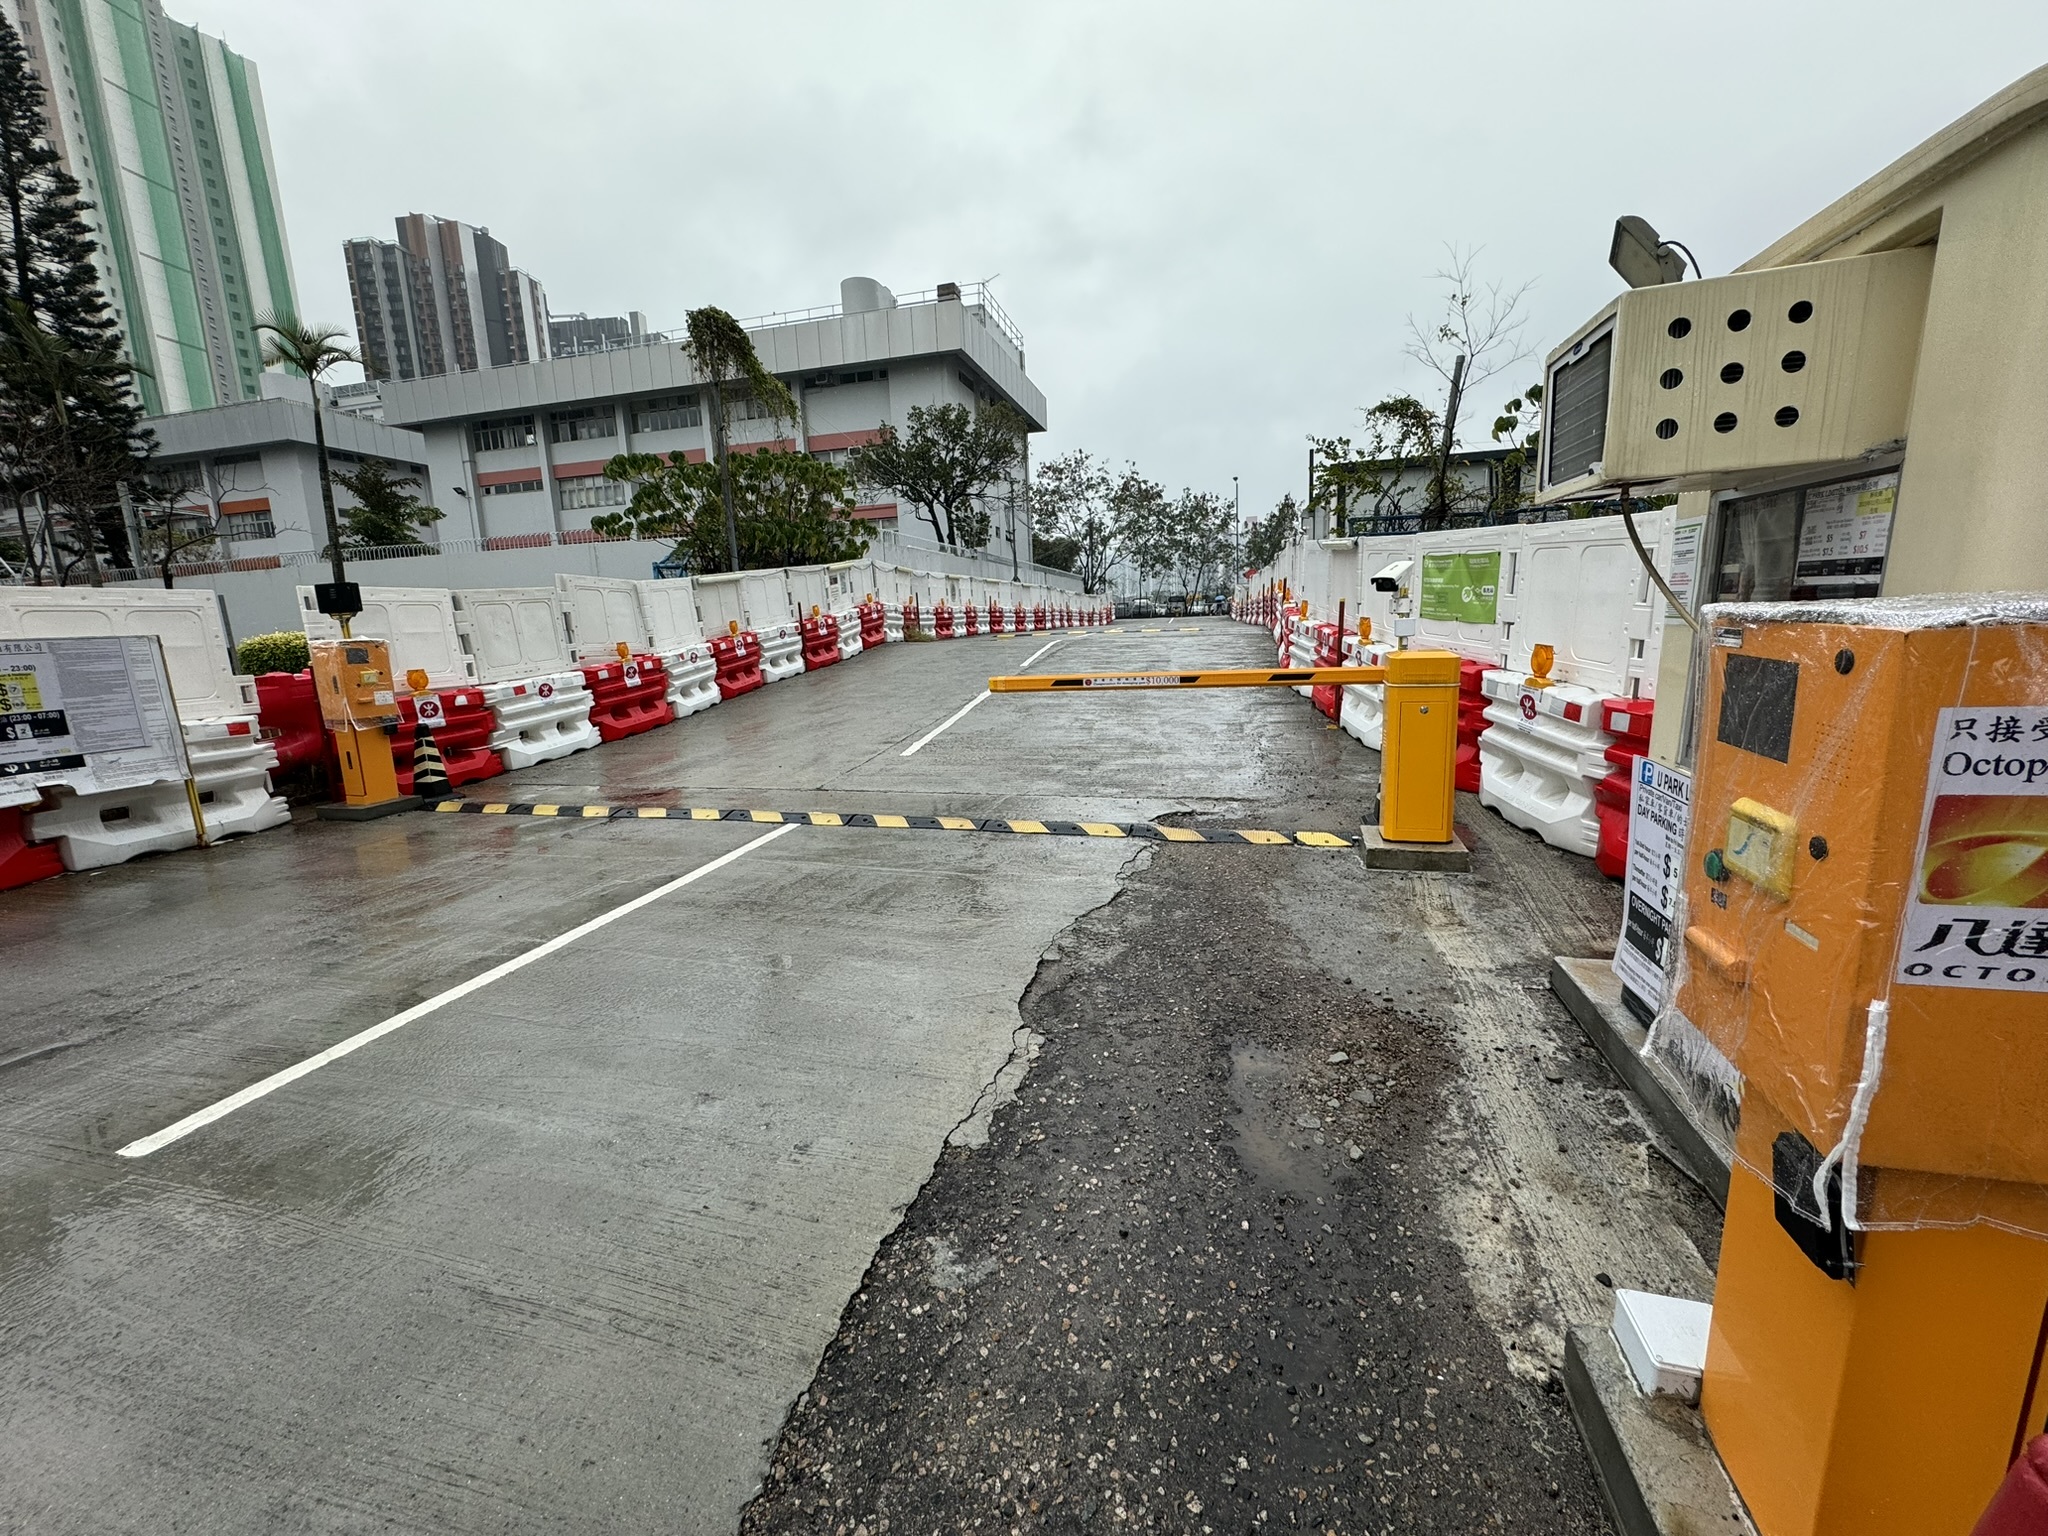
point(46, 267)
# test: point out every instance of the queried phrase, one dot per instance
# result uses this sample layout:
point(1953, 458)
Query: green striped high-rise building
point(163, 127)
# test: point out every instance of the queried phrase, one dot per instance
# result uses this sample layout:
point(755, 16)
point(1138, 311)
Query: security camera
point(1389, 580)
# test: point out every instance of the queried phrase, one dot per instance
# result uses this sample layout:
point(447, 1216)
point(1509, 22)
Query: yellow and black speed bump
point(1143, 831)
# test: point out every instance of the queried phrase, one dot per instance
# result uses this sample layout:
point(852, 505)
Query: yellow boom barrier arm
point(1418, 761)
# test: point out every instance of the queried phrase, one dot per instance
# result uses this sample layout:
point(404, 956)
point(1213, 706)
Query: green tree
point(1143, 516)
point(799, 510)
point(722, 352)
point(1055, 553)
point(46, 266)
point(945, 464)
point(1269, 534)
point(56, 401)
point(386, 512)
point(310, 351)
point(46, 248)
point(1204, 541)
point(1072, 520)
point(788, 509)
point(1519, 425)
point(1390, 476)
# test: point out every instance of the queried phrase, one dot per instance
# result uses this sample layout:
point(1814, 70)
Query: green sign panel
point(1462, 589)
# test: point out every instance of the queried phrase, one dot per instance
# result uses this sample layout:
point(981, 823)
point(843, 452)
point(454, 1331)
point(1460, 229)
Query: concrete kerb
point(1656, 1467)
point(1591, 993)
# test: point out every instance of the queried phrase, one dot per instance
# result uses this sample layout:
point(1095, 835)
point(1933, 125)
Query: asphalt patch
point(1195, 1280)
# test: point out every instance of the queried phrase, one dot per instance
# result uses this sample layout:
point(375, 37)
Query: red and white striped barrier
point(692, 678)
point(628, 697)
point(782, 651)
point(540, 718)
point(1542, 754)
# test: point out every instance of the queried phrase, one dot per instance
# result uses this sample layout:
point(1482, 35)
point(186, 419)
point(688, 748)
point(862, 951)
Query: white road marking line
point(249, 1095)
point(932, 735)
point(954, 719)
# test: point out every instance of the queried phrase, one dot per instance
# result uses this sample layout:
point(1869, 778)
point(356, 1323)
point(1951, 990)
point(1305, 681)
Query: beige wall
point(1973, 494)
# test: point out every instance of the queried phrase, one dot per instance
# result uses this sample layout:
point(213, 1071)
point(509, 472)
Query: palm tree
point(310, 350)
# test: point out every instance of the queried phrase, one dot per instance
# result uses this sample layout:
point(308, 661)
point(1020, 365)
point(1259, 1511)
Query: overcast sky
point(1210, 221)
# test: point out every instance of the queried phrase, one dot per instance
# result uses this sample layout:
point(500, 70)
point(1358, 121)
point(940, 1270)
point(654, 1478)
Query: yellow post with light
point(1865, 940)
point(359, 707)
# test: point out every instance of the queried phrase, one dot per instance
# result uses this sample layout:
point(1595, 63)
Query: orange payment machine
point(1866, 940)
point(359, 707)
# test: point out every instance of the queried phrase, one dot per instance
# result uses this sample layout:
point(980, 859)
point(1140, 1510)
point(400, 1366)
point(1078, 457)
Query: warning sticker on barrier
point(88, 712)
point(1659, 816)
point(1977, 912)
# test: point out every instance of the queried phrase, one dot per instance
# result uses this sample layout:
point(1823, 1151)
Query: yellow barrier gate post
point(1418, 762)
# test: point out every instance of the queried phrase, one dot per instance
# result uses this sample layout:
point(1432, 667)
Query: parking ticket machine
point(1866, 940)
point(359, 707)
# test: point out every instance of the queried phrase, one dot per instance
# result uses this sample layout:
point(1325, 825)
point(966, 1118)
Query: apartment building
point(521, 448)
point(163, 127)
point(443, 297)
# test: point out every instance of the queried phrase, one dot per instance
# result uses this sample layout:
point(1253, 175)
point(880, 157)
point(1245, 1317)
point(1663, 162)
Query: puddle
point(1268, 1144)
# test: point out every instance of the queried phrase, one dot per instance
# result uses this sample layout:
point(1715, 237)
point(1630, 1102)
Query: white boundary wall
point(1575, 586)
point(513, 633)
point(263, 600)
point(188, 623)
point(602, 613)
point(670, 608)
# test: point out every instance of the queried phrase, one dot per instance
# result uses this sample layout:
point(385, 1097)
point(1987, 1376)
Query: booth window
point(1812, 543)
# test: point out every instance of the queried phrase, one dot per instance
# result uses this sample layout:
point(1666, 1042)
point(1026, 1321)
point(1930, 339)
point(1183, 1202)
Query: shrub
point(284, 651)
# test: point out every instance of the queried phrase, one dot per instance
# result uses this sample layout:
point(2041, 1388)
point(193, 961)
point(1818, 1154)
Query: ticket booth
point(1866, 939)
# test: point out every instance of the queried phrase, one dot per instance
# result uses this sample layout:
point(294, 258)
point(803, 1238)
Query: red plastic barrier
point(972, 615)
point(998, 619)
point(942, 621)
point(628, 697)
point(462, 724)
point(1627, 720)
point(1471, 723)
point(1038, 616)
point(874, 624)
point(21, 861)
point(910, 616)
point(289, 711)
point(739, 663)
point(1328, 697)
point(2020, 1507)
point(821, 641)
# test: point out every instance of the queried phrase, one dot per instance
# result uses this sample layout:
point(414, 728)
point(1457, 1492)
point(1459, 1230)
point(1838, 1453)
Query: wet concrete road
point(560, 1253)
